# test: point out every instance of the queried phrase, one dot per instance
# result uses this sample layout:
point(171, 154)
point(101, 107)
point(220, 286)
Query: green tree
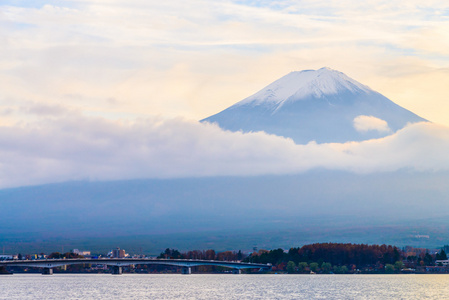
point(399, 265)
point(389, 268)
point(428, 260)
point(326, 267)
point(302, 266)
point(291, 267)
point(442, 255)
point(313, 267)
point(340, 269)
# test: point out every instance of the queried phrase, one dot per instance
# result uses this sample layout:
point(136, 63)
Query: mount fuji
point(321, 105)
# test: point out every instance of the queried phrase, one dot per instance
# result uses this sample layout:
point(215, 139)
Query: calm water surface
point(227, 286)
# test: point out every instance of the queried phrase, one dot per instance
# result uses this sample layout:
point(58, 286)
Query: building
point(118, 253)
point(7, 257)
point(83, 253)
point(444, 262)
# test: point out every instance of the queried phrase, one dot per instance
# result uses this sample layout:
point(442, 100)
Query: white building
point(444, 262)
point(7, 256)
point(83, 253)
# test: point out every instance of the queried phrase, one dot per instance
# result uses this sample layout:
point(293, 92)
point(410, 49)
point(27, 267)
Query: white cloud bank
point(79, 148)
point(367, 123)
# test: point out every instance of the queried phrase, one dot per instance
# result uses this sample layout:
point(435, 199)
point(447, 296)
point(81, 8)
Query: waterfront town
point(319, 258)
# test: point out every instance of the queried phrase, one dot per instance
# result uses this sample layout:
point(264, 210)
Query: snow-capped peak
point(300, 85)
point(322, 105)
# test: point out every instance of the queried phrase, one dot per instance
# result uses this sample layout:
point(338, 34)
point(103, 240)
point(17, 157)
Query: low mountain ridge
point(228, 212)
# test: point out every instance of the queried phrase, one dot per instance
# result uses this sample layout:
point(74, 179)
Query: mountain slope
point(319, 105)
point(217, 212)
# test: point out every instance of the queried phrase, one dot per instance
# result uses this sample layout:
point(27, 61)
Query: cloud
point(90, 148)
point(45, 109)
point(367, 123)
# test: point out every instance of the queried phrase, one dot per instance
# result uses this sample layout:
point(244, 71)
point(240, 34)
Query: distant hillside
point(230, 212)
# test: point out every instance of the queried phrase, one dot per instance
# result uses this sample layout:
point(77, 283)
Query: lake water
point(226, 286)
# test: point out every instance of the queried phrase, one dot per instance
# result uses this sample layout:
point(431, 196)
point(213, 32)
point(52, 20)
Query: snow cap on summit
point(300, 85)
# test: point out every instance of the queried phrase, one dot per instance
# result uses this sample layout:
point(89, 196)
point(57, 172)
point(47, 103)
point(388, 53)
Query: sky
point(113, 89)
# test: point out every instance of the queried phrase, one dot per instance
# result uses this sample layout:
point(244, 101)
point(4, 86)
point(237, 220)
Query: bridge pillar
point(236, 271)
point(117, 270)
point(47, 271)
point(186, 270)
point(3, 271)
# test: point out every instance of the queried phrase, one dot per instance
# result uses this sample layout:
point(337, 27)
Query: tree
point(170, 253)
point(313, 267)
point(326, 267)
point(389, 268)
point(302, 266)
point(428, 259)
point(239, 255)
point(442, 255)
point(291, 267)
point(210, 255)
point(399, 265)
point(340, 269)
point(55, 255)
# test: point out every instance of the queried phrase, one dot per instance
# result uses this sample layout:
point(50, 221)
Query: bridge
point(47, 265)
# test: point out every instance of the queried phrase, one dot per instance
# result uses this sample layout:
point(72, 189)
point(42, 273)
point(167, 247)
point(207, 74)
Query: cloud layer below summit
point(90, 148)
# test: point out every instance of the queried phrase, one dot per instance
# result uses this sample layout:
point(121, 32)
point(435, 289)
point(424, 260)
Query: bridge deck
point(51, 263)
